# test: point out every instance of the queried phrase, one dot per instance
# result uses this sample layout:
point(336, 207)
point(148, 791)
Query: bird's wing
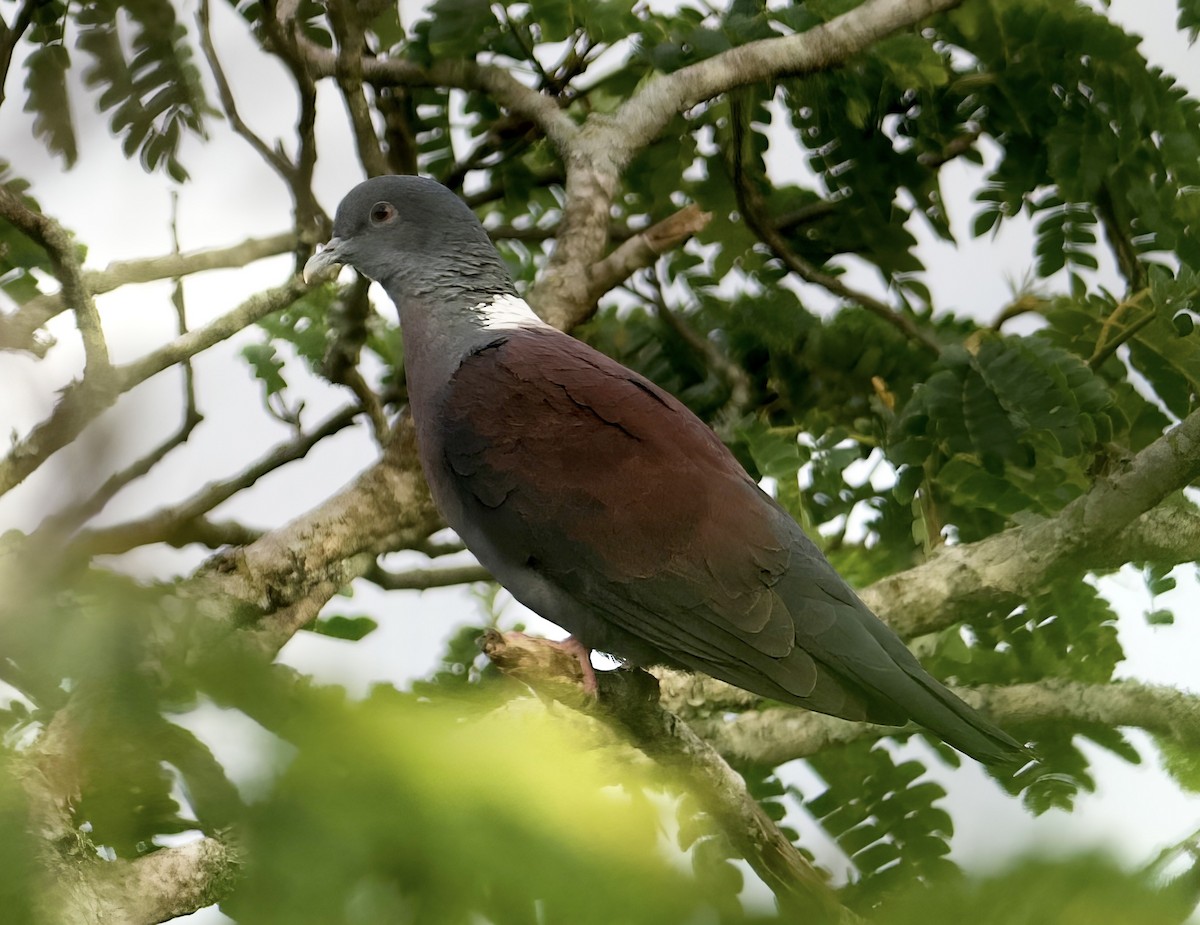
point(614, 491)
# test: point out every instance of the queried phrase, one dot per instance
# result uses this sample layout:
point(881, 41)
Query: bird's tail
point(949, 717)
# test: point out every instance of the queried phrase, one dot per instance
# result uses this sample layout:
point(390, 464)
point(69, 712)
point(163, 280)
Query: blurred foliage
point(434, 804)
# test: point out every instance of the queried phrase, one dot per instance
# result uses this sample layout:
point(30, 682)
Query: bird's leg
point(583, 655)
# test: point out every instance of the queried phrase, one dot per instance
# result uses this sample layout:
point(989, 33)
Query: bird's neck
point(442, 330)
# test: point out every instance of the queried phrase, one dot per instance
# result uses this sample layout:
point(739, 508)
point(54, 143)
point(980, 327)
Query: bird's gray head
point(415, 237)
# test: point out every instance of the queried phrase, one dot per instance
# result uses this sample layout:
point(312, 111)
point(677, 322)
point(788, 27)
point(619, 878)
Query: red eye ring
point(382, 213)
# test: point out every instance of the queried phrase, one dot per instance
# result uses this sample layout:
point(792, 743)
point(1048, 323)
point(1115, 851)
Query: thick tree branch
point(83, 889)
point(1165, 535)
point(630, 700)
point(646, 114)
point(596, 155)
point(385, 508)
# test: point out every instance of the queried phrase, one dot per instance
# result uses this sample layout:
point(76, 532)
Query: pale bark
point(1009, 567)
point(778, 734)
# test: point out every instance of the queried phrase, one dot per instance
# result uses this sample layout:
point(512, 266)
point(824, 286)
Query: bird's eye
point(382, 213)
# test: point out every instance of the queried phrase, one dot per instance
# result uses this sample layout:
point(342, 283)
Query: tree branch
point(597, 153)
point(164, 525)
point(82, 401)
point(273, 158)
point(64, 259)
point(754, 213)
point(630, 700)
point(422, 579)
point(641, 250)
point(778, 734)
point(10, 36)
point(348, 30)
point(82, 889)
point(1004, 569)
point(17, 330)
point(646, 114)
point(495, 82)
point(385, 508)
point(733, 374)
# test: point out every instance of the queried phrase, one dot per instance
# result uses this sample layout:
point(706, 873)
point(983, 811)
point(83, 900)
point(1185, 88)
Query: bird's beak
point(320, 262)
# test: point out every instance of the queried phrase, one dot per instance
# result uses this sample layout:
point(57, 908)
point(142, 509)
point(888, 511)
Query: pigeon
point(604, 504)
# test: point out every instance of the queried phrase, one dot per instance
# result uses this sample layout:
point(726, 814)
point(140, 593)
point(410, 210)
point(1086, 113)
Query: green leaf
point(267, 367)
point(775, 451)
point(156, 94)
point(46, 84)
point(457, 27)
point(1182, 761)
point(343, 627)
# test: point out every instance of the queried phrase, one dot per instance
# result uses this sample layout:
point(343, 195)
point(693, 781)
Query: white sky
point(122, 213)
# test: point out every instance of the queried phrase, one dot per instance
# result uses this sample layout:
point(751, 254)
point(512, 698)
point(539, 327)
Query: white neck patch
point(507, 312)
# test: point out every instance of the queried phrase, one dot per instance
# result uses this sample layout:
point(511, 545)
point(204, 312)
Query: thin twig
point(753, 209)
point(1024, 304)
point(71, 518)
point(351, 47)
point(17, 330)
point(10, 36)
point(164, 525)
point(640, 251)
point(1105, 347)
point(82, 401)
point(217, 330)
point(1120, 240)
point(273, 158)
point(955, 147)
point(496, 82)
point(348, 326)
point(422, 579)
point(714, 357)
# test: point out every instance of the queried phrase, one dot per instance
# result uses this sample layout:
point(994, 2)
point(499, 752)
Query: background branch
point(1006, 568)
point(630, 700)
point(778, 734)
point(422, 579)
point(754, 213)
point(164, 526)
point(17, 330)
point(82, 401)
point(45, 231)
